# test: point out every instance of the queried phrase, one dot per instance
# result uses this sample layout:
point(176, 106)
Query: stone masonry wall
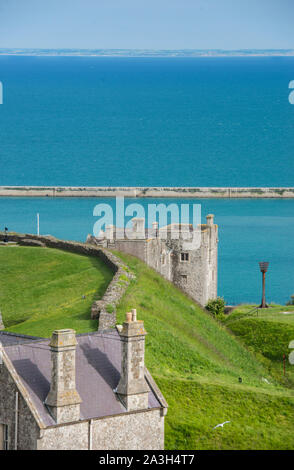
point(104, 309)
point(197, 277)
point(132, 247)
point(133, 431)
point(27, 428)
point(65, 437)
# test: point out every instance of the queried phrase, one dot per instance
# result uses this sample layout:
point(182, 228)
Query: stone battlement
point(188, 257)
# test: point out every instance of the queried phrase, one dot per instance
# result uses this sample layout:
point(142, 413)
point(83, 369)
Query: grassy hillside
point(195, 360)
point(197, 363)
point(267, 334)
point(41, 289)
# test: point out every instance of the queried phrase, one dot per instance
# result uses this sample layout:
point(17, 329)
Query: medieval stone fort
point(183, 254)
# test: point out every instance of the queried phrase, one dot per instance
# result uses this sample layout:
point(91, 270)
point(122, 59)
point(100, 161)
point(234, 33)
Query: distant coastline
point(146, 192)
point(149, 52)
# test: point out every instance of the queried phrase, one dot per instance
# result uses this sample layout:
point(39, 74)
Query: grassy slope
point(267, 334)
point(197, 363)
point(41, 289)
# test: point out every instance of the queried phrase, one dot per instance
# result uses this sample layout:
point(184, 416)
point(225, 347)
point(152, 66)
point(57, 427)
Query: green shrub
point(291, 301)
point(216, 306)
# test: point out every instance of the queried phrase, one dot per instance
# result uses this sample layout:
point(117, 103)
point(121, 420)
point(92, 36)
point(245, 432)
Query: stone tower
point(191, 267)
point(63, 399)
point(133, 388)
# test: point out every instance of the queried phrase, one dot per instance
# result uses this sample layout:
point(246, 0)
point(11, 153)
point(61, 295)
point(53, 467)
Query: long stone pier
point(144, 192)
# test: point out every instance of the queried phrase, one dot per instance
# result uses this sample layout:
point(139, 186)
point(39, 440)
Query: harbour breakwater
point(146, 192)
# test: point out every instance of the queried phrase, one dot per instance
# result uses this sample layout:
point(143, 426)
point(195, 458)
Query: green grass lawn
point(41, 289)
point(268, 334)
point(196, 360)
point(197, 363)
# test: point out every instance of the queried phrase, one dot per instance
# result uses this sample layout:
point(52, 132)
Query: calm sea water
point(146, 121)
point(249, 231)
point(171, 122)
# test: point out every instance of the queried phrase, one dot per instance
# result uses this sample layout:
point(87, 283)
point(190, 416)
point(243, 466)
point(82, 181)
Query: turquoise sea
point(157, 121)
point(249, 231)
point(95, 121)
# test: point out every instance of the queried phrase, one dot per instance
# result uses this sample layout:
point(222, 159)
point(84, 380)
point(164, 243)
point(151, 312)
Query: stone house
point(192, 268)
point(88, 391)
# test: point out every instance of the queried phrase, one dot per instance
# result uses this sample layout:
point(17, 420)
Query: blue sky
point(147, 24)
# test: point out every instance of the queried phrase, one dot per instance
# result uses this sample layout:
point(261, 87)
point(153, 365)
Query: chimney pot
point(134, 314)
point(129, 317)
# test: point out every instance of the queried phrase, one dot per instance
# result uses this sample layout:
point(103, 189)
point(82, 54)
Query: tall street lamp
point(263, 268)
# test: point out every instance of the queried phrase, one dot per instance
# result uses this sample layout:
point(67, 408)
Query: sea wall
point(141, 192)
point(105, 308)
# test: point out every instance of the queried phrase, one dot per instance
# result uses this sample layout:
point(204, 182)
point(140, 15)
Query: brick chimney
point(63, 399)
point(133, 388)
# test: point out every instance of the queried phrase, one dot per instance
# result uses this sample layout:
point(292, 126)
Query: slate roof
point(98, 366)
point(7, 338)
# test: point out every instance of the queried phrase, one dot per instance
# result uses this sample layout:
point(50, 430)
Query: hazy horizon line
point(133, 52)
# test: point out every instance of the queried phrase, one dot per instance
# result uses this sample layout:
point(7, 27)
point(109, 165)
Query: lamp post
point(263, 268)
